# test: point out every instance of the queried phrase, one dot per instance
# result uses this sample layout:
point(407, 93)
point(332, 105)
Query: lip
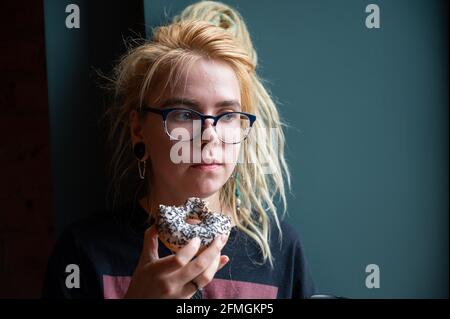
point(206, 167)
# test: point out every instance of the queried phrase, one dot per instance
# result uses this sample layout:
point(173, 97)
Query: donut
point(175, 232)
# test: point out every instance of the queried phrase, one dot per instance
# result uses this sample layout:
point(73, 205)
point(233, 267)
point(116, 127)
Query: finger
point(181, 258)
point(205, 277)
point(150, 247)
point(189, 289)
point(223, 261)
point(203, 261)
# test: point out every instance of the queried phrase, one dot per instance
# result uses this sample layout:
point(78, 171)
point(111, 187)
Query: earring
point(141, 170)
point(237, 193)
point(139, 152)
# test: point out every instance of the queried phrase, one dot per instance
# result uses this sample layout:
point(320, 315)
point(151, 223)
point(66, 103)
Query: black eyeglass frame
point(165, 113)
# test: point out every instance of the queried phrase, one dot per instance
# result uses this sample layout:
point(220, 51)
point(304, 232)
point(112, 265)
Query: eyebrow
point(195, 104)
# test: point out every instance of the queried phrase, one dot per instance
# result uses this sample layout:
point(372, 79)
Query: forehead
point(205, 80)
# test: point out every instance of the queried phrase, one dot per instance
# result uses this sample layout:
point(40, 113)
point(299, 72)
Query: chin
point(203, 190)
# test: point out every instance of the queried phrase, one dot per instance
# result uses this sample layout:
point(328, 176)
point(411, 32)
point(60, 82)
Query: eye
point(182, 116)
point(230, 117)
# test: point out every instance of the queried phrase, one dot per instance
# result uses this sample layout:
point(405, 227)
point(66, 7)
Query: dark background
point(367, 142)
point(26, 210)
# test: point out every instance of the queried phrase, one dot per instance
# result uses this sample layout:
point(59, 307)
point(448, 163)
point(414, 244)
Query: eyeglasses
point(185, 124)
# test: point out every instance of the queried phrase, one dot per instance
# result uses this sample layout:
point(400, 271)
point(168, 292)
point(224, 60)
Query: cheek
point(228, 170)
point(231, 154)
point(159, 145)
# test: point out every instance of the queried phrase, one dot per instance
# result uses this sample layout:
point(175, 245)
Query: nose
point(210, 134)
point(208, 123)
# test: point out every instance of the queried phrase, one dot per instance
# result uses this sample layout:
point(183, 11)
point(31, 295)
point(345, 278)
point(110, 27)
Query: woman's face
point(210, 87)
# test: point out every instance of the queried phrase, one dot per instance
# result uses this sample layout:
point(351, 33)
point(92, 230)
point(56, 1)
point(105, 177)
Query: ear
point(136, 131)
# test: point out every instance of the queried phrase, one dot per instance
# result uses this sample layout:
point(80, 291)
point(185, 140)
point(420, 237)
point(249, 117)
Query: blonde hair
point(173, 49)
point(266, 187)
point(223, 16)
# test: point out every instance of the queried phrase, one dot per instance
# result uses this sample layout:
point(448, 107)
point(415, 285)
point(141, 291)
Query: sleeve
point(68, 274)
point(303, 285)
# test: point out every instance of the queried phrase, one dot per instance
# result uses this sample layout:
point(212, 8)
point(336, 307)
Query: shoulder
point(88, 227)
point(284, 231)
point(79, 239)
point(75, 246)
point(286, 241)
point(100, 228)
point(292, 256)
point(281, 231)
point(289, 231)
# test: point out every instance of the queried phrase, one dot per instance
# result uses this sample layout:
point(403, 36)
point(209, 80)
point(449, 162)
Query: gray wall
point(368, 136)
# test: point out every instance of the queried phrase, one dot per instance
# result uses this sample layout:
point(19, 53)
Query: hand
point(172, 276)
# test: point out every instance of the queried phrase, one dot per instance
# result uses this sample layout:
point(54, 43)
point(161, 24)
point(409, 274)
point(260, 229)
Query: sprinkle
point(173, 228)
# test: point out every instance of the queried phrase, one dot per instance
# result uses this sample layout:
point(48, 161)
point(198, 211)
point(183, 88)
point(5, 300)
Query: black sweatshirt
point(105, 249)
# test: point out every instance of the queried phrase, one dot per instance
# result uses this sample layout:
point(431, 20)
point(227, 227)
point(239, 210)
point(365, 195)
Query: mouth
point(206, 167)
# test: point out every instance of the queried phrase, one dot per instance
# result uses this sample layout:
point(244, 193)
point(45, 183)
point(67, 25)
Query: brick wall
point(25, 180)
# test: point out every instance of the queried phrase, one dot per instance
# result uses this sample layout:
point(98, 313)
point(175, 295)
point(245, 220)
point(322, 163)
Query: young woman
point(192, 72)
